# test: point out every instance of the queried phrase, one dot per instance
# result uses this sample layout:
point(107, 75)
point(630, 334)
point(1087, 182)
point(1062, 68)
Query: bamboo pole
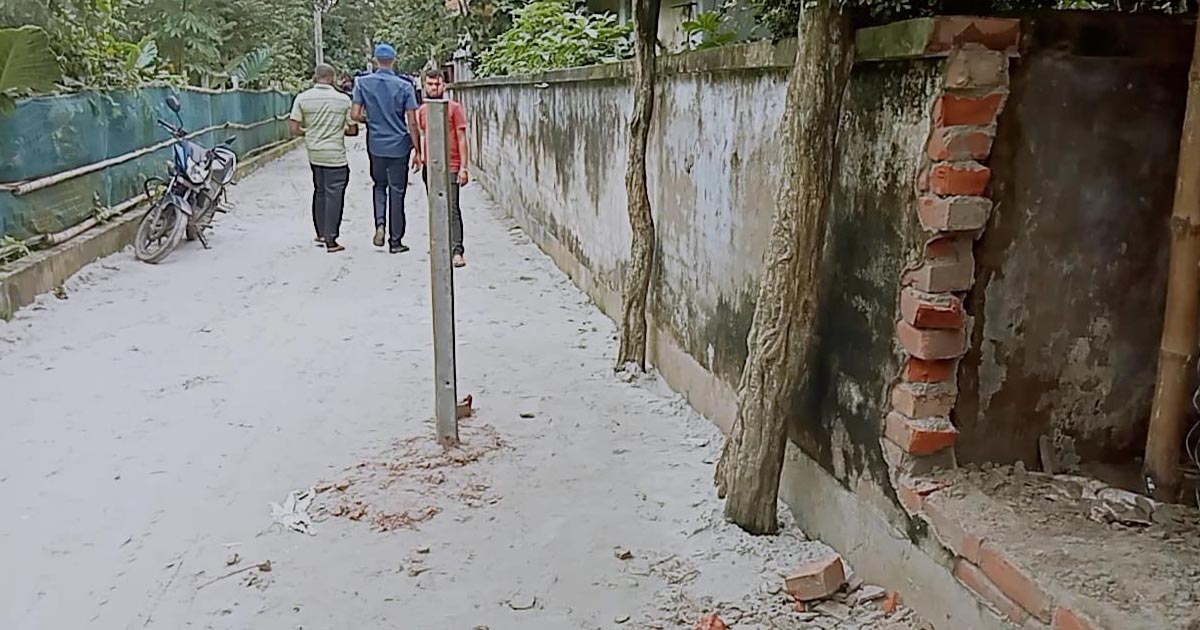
point(1177, 352)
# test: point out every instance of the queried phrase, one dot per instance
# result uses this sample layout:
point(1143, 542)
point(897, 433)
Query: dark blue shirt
point(386, 97)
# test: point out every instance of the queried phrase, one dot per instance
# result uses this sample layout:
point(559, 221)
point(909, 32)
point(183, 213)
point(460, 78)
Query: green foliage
point(26, 64)
point(423, 30)
point(548, 34)
point(780, 17)
point(142, 55)
point(93, 44)
point(127, 43)
point(11, 250)
point(252, 65)
point(1133, 6)
point(708, 30)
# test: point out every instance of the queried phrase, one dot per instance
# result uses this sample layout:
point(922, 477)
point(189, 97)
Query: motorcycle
point(193, 194)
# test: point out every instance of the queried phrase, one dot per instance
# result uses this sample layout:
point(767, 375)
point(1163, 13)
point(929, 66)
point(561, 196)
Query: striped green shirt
point(324, 113)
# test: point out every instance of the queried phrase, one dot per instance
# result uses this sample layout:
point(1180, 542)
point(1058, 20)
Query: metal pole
point(318, 34)
point(441, 273)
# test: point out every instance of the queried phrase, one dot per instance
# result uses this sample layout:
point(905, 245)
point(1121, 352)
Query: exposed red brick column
point(953, 207)
point(932, 327)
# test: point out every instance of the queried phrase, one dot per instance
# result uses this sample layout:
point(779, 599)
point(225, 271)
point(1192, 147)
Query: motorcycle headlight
point(195, 173)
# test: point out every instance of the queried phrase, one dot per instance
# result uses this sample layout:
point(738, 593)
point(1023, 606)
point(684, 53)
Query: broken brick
point(953, 109)
point(959, 178)
point(993, 33)
point(1067, 619)
point(931, 344)
point(974, 66)
point(949, 248)
point(943, 274)
point(817, 579)
point(711, 621)
point(923, 400)
point(953, 214)
point(1018, 585)
point(951, 531)
point(922, 371)
point(959, 143)
point(890, 602)
point(974, 579)
point(922, 436)
point(931, 310)
point(909, 497)
point(916, 465)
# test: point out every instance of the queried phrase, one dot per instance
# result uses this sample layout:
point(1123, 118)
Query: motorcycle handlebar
point(178, 132)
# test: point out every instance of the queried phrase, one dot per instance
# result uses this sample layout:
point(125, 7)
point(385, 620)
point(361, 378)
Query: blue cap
point(385, 52)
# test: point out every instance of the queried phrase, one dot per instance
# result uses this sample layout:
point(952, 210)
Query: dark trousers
point(391, 182)
point(456, 222)
point(329, 198)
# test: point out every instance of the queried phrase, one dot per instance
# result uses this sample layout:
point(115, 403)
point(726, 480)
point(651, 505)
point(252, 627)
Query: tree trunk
point(1177, 352)
point(780, 341)
point(641, 258)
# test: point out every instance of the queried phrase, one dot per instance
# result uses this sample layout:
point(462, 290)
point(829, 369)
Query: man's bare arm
point(414, 130)
point(465, 154)
point(295, 128)
point(358, 113)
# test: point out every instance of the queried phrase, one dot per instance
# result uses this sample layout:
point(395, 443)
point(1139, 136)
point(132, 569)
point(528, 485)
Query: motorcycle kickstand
point(202, 238)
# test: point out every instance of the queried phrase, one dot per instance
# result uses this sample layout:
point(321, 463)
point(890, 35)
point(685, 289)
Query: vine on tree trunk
point(641, 259)
point(780, 340)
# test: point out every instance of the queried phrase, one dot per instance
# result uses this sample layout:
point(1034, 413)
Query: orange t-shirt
point(458, 126)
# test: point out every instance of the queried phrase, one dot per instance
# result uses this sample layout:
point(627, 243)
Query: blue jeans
point(391, 183)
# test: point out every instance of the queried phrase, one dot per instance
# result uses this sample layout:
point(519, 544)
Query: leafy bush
point(548, 34)
point(93, 45)
point(26, 64)
point(780, 16)
point(708, 30)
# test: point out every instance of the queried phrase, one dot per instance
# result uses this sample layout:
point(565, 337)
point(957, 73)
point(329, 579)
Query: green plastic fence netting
point(54, 134)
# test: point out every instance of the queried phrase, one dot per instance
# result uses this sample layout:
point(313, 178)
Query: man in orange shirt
point(435, 89)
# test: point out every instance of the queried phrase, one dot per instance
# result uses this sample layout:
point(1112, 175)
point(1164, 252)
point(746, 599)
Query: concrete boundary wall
point(914, 202)
point(550, 149)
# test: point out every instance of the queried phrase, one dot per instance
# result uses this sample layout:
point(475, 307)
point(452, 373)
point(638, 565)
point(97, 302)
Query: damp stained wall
point(1071, 270)
point(552, 153)
point(874, 232)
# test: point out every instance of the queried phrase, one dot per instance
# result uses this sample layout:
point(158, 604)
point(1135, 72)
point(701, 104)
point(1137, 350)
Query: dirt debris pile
point(411, 482)
point(1054, 497)
point(1132, 561)
point(697, 587)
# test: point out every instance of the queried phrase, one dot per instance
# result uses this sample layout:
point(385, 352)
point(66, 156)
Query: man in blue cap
point(388, 105)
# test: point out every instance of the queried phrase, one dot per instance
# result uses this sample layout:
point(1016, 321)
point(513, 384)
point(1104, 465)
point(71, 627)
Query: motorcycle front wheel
point(159, 232)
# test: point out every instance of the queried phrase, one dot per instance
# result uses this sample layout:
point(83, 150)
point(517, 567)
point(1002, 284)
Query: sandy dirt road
point(151, 416)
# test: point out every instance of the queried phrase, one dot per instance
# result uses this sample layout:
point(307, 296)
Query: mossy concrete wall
point(551, 150)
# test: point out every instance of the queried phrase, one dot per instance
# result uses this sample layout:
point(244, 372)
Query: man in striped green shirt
point(322, 115)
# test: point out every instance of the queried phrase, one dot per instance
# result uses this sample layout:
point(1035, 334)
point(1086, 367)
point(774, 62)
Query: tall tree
point(641, 221)
point(780, 341)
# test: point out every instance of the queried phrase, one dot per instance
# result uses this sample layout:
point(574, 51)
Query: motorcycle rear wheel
point(159, 233)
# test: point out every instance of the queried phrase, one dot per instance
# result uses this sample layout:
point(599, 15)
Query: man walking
point(388, 105)
point(435, 89)
point(322, 115)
